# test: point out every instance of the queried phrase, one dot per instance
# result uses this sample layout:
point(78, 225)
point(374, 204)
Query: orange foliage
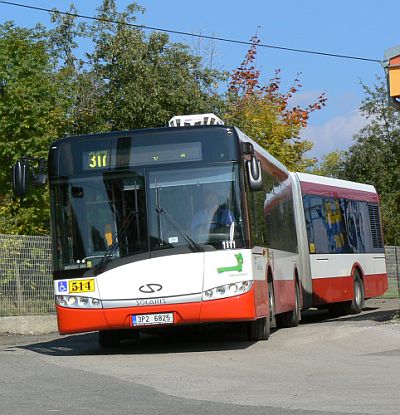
point(279, 124)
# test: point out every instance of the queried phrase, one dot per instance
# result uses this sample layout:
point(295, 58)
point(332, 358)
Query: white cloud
point(336, 134)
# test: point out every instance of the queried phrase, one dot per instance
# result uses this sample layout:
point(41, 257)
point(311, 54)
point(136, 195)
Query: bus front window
point(203, 203)
point(94, 214)
point(116, 214)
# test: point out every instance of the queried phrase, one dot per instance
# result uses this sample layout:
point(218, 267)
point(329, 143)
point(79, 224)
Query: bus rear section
point(340, 230)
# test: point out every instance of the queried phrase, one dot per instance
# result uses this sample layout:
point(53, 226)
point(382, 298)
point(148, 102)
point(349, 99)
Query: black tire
point(354, 306)
point(259, 329)
point(358, 302)
point(109, 338)
point(272, 309)
point(291, 318)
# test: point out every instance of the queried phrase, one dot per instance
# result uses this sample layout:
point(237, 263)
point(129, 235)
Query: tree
point(331, 165)
point(128, 81)
point(131, 80)
point(374, 157)
point(32, 114)
point(263, 112)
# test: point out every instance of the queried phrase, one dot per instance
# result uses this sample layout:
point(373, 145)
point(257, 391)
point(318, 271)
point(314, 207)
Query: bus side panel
point(283, 266)
point(332, 290)
point(332, 276)
point(284, 295)
point(261, 305)
point(375, 285)
point(336, 289)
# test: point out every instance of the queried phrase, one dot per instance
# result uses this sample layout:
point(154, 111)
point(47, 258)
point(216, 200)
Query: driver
point(214, 215)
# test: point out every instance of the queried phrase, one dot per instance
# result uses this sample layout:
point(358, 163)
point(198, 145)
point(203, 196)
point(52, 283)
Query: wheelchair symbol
point(62, 286)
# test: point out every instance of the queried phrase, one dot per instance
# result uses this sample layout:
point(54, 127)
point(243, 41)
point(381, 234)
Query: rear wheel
point(354, 306)
point(357, 304)
point(271, 298)
point(291, 318)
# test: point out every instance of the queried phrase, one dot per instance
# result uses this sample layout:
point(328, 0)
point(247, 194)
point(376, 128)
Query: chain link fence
point(26, 286)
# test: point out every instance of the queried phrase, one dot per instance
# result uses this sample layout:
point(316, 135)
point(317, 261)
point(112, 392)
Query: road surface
point(344, 365)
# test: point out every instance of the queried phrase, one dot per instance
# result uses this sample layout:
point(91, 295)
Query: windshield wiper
point(115, 243)
point(192, 244)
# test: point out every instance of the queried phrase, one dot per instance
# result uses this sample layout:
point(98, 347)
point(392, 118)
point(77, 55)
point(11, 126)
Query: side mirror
point(254, 174)
point(21, 173)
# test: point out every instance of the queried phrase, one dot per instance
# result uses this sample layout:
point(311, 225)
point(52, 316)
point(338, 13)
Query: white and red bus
point(196, 223)
point(341, 243)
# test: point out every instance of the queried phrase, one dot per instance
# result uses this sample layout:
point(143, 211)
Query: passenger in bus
point(213, 216)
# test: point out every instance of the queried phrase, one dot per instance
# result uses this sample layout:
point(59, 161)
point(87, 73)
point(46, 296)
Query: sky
point(361, 28)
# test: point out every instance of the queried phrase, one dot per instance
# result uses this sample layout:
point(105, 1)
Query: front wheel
point(259, 329)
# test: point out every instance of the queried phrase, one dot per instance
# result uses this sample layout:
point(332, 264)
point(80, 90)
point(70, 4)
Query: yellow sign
point(81, 286)
point(394, 80)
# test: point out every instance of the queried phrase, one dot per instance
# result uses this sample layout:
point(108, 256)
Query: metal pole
point(20, 299)
point(397, 273)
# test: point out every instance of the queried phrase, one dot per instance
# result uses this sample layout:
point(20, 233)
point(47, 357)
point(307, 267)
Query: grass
point(392, 291)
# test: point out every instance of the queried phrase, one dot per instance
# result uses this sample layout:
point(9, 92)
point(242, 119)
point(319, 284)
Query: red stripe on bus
point(332, 290)
point(375, 285)
point(338, 192)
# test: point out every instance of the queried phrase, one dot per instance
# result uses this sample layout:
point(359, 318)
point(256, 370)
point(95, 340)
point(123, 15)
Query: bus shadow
point(372, 314)
point(179, 341)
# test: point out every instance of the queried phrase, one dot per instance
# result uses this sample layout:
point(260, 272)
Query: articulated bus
point(195, 223)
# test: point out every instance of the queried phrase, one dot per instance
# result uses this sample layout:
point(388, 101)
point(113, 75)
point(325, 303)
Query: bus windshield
point(123, 213)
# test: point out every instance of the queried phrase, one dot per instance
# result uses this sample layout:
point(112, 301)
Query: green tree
point(331, 165)
point(48, 90)
point(264, 113)
point(32, 114)
point(374, 157)
point(131, 80)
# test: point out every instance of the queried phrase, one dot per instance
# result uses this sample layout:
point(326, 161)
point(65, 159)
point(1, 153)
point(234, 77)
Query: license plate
point(81, 286)
point(152, 319)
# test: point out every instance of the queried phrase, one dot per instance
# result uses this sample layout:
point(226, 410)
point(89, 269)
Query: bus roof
point(330, 181)
point(330, 187)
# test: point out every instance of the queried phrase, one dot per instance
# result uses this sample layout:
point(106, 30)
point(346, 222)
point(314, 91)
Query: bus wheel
point(259, 329)
point(271, 297)
point(109, 338)
point(291, 318)
point(357, 304)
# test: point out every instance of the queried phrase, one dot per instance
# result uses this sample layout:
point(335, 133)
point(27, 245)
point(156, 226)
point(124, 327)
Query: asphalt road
point(344, 365)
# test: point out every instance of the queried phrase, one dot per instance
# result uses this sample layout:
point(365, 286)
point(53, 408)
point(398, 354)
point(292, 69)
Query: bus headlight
point(73, 301)
point(227, 290)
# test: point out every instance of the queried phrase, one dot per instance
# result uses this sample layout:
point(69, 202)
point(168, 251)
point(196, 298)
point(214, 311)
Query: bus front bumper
point(238, 308)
